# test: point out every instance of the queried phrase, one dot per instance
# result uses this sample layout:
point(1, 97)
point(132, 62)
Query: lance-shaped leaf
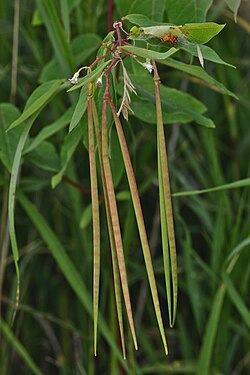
point(37, 100)
point(149, 54)
point(80, 109)
point(207, 52)
point(140, 222)
point(96, 221)
point(115, 221)
point(200, 73)
point(166, 206)
point(117, 284)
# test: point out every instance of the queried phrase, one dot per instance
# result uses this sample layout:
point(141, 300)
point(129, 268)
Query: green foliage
point(51, 200)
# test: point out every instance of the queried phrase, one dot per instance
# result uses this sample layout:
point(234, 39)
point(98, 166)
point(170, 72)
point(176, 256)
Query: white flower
point(99, 82)
point(74, 79)
point(148, 66)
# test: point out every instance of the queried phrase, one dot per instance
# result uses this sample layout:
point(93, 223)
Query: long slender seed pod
point(140, 222)
point(165, 197)
point(115, 221)
point(96, 221)
point(111, 234)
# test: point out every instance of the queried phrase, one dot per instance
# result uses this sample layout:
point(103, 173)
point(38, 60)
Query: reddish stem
point(80, 188)
point(118, 31)
point(103, 57)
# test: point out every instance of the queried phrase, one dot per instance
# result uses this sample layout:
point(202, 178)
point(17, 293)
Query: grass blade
point(231, 185)
point(19, 348)
point(140, 222)
point(96, 222)
point(67, 268)
point(212, 325)
point(165, 203)
point(11, 203)
point(115, 221)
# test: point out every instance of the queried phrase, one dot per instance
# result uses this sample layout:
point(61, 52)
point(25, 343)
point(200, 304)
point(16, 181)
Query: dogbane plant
point(125, 69)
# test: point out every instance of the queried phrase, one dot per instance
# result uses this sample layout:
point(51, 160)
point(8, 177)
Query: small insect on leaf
point(170, 38)
point(136, 30)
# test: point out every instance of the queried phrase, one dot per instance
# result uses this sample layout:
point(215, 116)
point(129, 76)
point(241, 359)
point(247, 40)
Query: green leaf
point(19, 348)
point(182, 11)
point(149, 115)
point(141, 20)
point(50, 130)
point(198, 72)
point(67, 268)
point(153, 9)
point(37, 100)
point(122, 6)
point(207, 53)
point(201, 33)
point(70, 144)
point(234, 6)
point(80, 109)
point(45, 157)
point(172, 100)
point(90, 77)
point(149, 54)
point(8, 140)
